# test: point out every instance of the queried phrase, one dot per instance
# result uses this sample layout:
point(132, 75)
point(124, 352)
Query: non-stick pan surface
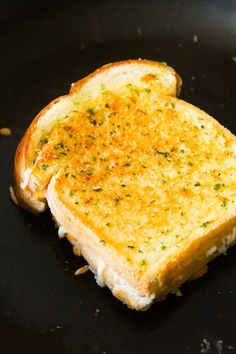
point(45, 46)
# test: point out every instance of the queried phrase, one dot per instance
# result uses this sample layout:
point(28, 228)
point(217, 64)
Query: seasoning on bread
point(142, 184)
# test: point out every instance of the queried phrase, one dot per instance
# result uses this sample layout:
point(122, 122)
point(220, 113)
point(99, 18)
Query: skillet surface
point(44, 47)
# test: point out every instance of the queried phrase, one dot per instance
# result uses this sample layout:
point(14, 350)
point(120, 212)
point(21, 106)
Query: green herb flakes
point(162, 153)
point(143, 262)
point(43, 142)
point(90, 111)
point(218, 186)
point(93, 121)
point(59, 146)
point(224, 203)
point(44, 167)
point(97, 189)
point(205, 224)
point(163, 246)
point(116, 201)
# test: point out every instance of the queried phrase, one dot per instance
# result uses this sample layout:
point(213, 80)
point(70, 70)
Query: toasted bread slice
point(124, 78)
point(141, 183)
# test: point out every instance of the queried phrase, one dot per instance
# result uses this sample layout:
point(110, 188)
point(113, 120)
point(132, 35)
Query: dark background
point(45, 46)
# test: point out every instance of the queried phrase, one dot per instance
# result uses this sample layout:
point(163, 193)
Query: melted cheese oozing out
point(227, 240)
point(121, 285)
point(26, 177)
point(62, 232)
point(211, 251)
point(99, 276)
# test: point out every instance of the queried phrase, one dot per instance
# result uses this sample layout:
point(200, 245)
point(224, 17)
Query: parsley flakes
point(218, 186)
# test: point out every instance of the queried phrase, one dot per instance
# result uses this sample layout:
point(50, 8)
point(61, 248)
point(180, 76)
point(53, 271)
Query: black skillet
point(46, 45)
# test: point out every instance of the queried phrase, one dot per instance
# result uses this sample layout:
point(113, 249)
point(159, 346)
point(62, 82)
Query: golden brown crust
point(173, 274)
point(25, 196)
point(135, 287)
point(106, 67)
point(186, 264)
point(87, 239)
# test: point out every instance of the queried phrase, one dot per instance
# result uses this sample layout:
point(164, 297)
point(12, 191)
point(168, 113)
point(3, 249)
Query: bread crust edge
point(25, 196)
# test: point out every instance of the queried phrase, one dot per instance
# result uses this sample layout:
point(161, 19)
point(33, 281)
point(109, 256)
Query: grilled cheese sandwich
point(141, 183)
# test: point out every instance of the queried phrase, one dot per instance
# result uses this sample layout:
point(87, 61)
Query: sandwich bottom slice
point(151, 213)
point(144, 187)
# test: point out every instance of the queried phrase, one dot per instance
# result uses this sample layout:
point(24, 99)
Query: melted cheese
point(211, 251)
point(62, 232)
point(26, 178)
point(123, 286)
point(99, 275)
point(227, 240)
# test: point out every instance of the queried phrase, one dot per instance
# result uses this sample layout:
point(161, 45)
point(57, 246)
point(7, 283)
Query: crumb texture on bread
point(141, 183)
